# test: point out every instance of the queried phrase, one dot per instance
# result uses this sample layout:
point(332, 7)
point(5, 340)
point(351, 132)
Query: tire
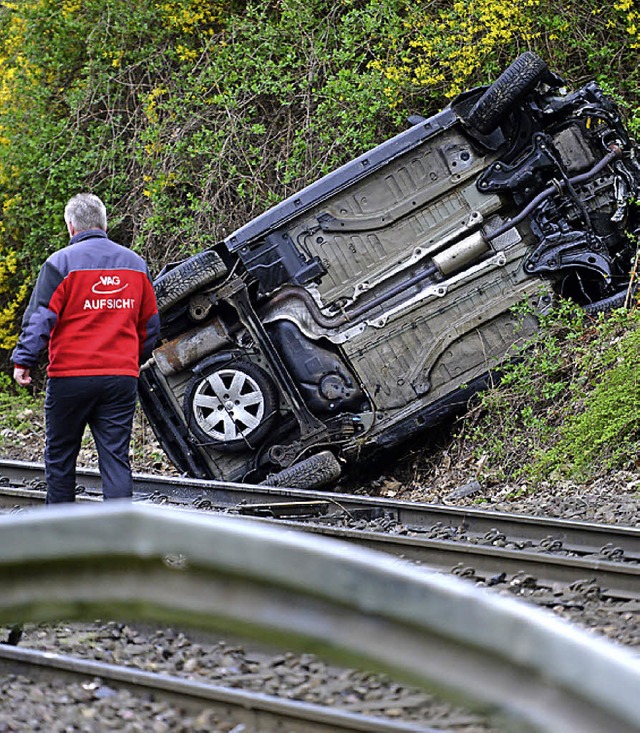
point(514, 83)
point(617, 300)
point(231, 406)
point(317, 470)
point(187, 277)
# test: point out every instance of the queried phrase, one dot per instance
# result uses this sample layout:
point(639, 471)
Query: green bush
point(19, 407)
point(188, 117)
point(567, 407)
point(449, 47)
point(605, 432)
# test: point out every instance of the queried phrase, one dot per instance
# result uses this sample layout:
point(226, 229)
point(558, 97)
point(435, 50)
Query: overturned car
point(374, 302)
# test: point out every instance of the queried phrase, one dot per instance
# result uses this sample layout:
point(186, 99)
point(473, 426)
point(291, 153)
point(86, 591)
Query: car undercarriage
point(373, 303)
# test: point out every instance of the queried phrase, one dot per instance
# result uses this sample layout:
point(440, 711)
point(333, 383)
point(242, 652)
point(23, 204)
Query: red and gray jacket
point(95, 305)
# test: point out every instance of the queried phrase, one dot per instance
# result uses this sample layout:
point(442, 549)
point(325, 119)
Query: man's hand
point(22, 375)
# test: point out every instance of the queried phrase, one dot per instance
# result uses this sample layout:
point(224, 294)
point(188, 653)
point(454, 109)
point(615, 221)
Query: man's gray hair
point(86, 211)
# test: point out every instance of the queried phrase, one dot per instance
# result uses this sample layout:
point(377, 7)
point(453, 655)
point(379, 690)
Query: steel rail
point(481, 562)
point(264, 501)
point(614, 579)
point(266, 713)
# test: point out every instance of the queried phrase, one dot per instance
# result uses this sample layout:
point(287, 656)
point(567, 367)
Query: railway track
point(264, 713)
point(489, 547)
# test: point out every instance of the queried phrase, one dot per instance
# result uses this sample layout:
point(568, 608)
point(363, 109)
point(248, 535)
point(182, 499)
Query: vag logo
point(108, 285)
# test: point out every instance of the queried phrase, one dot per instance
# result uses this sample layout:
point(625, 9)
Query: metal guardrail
point(352, 606)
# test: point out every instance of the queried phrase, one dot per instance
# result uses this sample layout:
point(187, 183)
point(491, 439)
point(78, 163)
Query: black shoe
point(15, 634)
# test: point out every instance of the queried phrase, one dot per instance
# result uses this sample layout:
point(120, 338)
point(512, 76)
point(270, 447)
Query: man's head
point(85, 211)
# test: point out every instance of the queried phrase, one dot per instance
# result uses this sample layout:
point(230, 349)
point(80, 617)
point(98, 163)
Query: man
point(94, 304)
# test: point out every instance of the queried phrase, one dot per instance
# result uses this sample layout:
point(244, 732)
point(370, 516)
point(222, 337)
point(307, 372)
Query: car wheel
point(317, 470)
point(514, 83)
point(618, 300)
point(231, 406)
point(187, 277)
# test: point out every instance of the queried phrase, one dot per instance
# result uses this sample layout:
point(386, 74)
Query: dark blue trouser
point(107, 405)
